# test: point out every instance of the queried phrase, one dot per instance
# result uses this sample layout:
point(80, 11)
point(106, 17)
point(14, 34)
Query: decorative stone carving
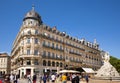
point(107, 70)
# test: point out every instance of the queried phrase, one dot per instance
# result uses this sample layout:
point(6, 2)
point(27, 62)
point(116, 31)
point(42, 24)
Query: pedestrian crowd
point(53, 78)
point(64, 78)
point(13, 78)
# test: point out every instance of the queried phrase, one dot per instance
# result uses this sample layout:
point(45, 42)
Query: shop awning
point(68, 71)
point(88, 70)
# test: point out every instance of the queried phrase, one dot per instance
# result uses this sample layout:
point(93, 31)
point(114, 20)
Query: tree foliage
point(115, 62)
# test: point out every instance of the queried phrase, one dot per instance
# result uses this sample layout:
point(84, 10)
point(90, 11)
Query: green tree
point(115, 62)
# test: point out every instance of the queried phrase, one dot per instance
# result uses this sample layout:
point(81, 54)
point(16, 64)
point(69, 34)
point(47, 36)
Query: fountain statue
point(107, 71)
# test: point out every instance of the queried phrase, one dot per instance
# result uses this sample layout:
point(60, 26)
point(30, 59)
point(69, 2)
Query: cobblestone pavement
point(82, 81)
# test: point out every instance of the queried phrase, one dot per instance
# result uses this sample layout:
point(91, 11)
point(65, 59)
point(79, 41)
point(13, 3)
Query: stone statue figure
point(106, 57)
point(106, 70)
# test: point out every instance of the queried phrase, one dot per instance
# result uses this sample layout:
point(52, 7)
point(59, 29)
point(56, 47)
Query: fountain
point(107, 71)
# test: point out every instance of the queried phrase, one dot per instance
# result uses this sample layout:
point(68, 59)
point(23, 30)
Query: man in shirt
point(64, 78)
point(53, 78)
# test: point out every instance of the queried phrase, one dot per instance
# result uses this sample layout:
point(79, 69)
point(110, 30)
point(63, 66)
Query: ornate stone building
point(4, 64)
point(40, 48)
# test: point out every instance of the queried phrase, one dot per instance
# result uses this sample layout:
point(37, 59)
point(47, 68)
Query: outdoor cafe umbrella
point(68, 71)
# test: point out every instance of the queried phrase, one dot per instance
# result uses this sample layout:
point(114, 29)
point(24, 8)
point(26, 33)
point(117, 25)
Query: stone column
point(32, 61)
point(22, 72)
point(24, 69)
point(32, 72)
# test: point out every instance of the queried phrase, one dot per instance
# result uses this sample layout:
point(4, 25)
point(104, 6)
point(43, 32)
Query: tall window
point(61, 64)
point(28, 62)
point(36, 41)
point(48, 54)
point(60, 47)
point(49, 63)
point(4, 60)
point(36, 62)
point(35, 52)
point(36, 32)
point(29, 32)
point(60, 56)
point(57, 64)
point(49, 44)
point(28, 51)
point(44, 43)
point(44, 63)
point(53, 64)
point(53, 55)
point(53, 45)
point(56, 46)
point(44, 53)
point(28, 40)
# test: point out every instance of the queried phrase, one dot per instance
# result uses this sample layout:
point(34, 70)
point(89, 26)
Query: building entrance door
point(28, 71)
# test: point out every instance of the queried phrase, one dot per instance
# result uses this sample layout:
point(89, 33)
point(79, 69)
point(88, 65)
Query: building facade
point(39, 48)
point(4, 64)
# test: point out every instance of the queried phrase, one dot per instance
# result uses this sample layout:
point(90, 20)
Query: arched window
point(44, 63)
point(53, 64)
point(57, 64)
point(61, 64)
point(49, 63)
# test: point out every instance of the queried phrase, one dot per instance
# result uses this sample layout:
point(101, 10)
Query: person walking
point(57, 80)
point(86, 78)
point(77, 79)
point(7, 79)
point(53, 78)
point(15, 78)
point(64, 78)
point(44, 79)
point(34, 78)
point(0, 81)
point(29, 78)
point(73, 78)
point(40, 77)
point(11, 78)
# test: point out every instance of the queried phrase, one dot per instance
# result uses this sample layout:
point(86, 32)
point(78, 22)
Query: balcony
point(52, 39)
point(75, 53)
point(29, 56)
point(50, 47)
point(50, 57)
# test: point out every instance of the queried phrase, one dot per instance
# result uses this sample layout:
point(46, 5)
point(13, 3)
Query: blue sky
point(89, 19)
